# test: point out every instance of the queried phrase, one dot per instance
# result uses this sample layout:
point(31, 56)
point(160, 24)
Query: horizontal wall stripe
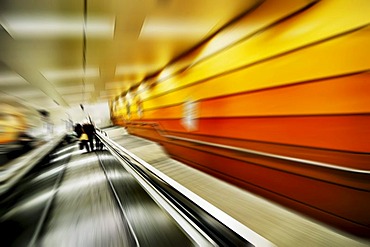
point(340, 56)
point(168, 112)
point(350, 159)
point(268, 14)
point(290, 78)
point(287, 37)
point(342, 95)
point(298, 188)
point(334, 96)
point(348, 132)
point(329, 197)
point(265, 89)
point(278, 40)
point(342, 158)
point(272, 156)
point(335, 177)
point(310, 210)
point(344, 178)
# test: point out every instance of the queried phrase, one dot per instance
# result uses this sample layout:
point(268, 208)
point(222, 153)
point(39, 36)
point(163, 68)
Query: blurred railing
point(204, 222)
point(163, 133)
point(14, 170)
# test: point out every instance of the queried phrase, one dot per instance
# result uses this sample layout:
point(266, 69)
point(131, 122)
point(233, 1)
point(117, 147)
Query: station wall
point(291, 79)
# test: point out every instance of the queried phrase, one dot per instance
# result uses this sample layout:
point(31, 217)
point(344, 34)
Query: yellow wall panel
point(346, 54)
point(266, 14)
point(313, 25)
point(325, 19)
point(344, 95)
point(300, 85)
point(165, 113)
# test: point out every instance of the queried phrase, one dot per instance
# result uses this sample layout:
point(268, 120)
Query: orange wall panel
point(347, 94)
point(342, 95)
point(347, 133)
point(283, 77)
point(164, 112)
point(265, 15)
point(340, 56)
point(340, 206)
point(313, 25)
point(309, 27)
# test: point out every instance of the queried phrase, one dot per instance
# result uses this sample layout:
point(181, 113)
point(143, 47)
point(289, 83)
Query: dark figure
point(78, 130)
point(25, 142)
point(90, 131)
point(84, 139)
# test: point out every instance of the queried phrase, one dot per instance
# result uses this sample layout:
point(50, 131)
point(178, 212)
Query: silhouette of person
point(90, 131)
point(84, 139)
point(78, 130)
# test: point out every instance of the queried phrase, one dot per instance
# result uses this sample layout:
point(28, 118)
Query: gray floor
point(85, 214)
point(67, 201)
point(273, 222)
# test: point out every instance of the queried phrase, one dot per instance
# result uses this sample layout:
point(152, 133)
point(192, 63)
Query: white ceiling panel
point(26, 93)
point(54, 47)
point(11, 78)
point(75, 89)
point(46, 26)
point(68, 74)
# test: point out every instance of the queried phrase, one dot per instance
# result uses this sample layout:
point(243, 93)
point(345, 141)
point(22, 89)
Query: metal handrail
point(255, 152)
point(156, 126)
point(127, 159)
point(225, 219)
point(13, 171)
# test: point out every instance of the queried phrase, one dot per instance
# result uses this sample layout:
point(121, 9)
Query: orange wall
point(290, 78)
point(303, 67)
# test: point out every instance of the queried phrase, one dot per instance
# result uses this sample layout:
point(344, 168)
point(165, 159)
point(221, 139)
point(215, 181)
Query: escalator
point(67, 200)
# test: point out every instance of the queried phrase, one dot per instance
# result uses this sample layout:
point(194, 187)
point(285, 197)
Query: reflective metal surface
point(152, 226)
point(23, 207)
point(279, 225)
point(83, 210)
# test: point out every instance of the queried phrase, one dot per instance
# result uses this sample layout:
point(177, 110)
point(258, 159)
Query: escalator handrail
point(14, 170)
point(231, 223)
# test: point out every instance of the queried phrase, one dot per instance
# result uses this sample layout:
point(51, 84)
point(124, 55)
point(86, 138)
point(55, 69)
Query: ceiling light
point(76, 97)
point(24, 92)
point(30, 94)
point(107, 93)
point(175, 28)
point(43, 101)
point(47, 26)
point(113, 85)
point(76, 89)
point(133, 69)
point(12, 79)
point(54, 75)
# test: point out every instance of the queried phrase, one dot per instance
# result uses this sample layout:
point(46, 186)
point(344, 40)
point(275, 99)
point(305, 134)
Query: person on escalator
point(84, 139)
point(90, 130)
point(78, 130)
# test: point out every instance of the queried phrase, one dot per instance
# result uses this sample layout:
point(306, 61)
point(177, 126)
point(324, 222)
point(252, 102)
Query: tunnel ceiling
point(65, 52)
